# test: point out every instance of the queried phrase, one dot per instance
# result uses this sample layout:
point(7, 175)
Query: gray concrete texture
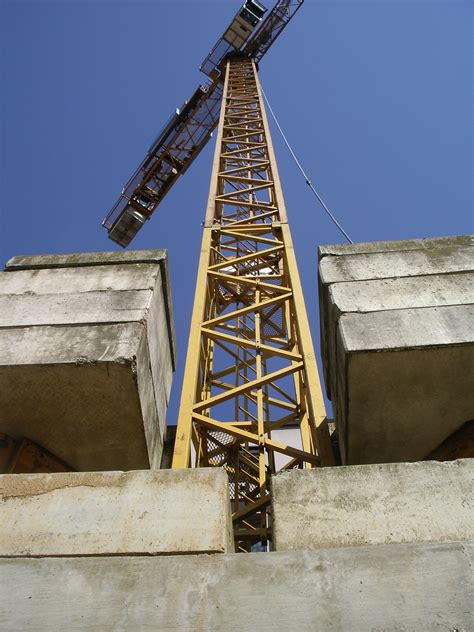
point(398, 245)
point(397, 344)
point(87, 354)
point(383, 588)
point(115, 513)
point(359, 505)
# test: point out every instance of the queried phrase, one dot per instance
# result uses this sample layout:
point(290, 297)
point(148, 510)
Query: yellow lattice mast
point(250, 369)
point(251, 400)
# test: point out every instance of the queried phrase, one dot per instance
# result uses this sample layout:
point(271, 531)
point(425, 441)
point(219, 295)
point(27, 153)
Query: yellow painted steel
point(251, 400)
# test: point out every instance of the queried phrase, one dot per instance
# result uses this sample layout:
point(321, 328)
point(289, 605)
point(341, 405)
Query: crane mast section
point(250, 370)
point(188, 131)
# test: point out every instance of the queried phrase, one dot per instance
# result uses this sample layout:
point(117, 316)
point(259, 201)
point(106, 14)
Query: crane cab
point(127, 226)
point(235, 37)
point(252, 12)
point(244, 23)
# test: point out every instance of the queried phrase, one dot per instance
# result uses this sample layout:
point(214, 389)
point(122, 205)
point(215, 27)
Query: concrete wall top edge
point(387, 587)
point(295, 477)
point(22, 262)
point(395, 264)
point(406, 329)
point(18, 485)
point(429, 290)
point(394, 245)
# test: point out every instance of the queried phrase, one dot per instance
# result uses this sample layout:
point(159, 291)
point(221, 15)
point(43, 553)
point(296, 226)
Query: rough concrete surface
point(47, 281)
point(408, 328)
point(87, 414)
point(86, 356)
point(401, 405)
point(398, 344)
point(373, 504)
point(403, 293)
point(399, 245)
point(384, 265)
point(115, 513)
point(378, 588)
point(72, 309)
point(113, 257)
point(390, 280)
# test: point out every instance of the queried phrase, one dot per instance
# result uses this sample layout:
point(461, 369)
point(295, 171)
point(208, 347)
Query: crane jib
point(189, 128)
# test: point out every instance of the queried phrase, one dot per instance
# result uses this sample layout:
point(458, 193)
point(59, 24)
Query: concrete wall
point(398, 344)
point(378, 588)
point(373, 504)
point(87, 354)
point(115, 513)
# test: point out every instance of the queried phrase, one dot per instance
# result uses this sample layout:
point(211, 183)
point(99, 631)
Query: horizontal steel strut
point(251, 400)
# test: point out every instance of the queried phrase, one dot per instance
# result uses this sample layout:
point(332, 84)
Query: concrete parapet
point(87, 354)
point(398, 344)
point(115, 513)
point(379, 588)
point(373, 504)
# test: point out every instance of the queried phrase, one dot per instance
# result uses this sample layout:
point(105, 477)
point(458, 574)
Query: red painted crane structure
point(251, 400)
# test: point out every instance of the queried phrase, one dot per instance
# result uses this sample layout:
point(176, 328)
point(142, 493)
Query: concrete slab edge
point(370, 247)
point(73, 260)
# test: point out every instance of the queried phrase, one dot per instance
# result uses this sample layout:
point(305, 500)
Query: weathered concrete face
point(115, 513)
point(87, 355)
point(398, 344)
point(373, 504)
point(379, 588)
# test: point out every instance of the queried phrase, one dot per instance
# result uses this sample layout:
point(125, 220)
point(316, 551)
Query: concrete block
point(408, 386)
point(83, 259)
point(393, 264)
point(373, 504)
point(434, 290)
point(398, 344)
point(87, 355)
point(115, 513)
point(389, 260)
point(383, 588)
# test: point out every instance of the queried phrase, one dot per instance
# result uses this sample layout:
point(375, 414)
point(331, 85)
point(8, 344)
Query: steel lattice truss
point(168, 158)
point(250, 370)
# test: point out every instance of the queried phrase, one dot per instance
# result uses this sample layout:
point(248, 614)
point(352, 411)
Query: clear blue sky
point(375, 96)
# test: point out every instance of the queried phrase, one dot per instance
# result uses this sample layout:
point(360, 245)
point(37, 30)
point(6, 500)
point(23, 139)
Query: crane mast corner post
point(250, 369)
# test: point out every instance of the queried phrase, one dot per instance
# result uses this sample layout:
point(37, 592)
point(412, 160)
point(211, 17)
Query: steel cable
point(308, 181)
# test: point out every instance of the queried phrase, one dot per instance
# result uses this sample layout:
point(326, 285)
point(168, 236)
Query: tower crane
point(250, 372)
